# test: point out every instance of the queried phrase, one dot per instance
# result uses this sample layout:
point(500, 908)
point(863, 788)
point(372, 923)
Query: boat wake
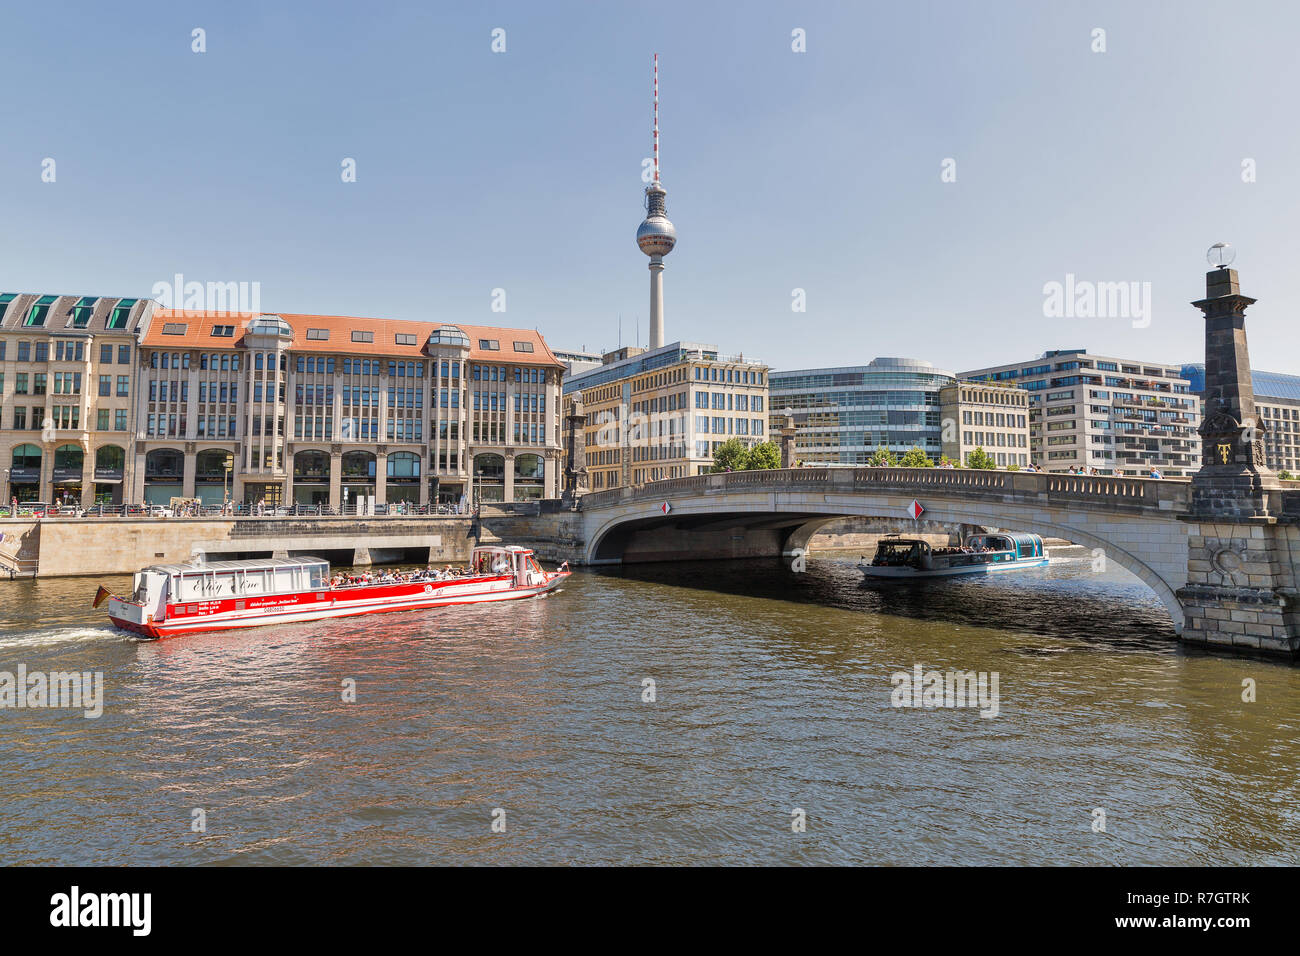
point(61, 635)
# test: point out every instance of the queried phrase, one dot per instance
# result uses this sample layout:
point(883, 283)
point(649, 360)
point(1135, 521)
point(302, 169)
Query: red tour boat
point(172, 599)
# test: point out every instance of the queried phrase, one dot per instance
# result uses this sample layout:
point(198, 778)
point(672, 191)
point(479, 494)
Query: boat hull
point(231, 614)
point(903, 571)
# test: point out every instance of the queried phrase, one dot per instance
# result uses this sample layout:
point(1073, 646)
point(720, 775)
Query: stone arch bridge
point(1137, 522)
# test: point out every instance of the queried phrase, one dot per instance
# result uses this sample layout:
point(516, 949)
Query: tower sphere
point(656, 235)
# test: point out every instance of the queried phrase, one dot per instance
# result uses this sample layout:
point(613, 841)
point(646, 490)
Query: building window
point(36, 317)
point(320, 335)
point(121, 313)
point(174, 328)
point(223, 331)
point(402, 339)
point(489, 345)
point(363, 336)
point(523, 346)
point(83, 310)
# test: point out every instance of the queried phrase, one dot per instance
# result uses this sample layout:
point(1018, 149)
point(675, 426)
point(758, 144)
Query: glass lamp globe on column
point(1221, 255)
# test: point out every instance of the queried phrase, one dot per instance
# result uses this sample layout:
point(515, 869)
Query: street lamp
point(228, 465)
point(1221, 255)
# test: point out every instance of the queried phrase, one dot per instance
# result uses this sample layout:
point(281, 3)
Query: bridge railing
point(1165, 494)
point(947, 478)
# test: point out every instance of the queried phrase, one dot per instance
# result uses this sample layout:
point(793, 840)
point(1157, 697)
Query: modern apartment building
point(1277, 399)
point(842, 415)
point(661, 413)
point(317, 409)
point(992, 417)
point(1117, 416)
point(67, 396)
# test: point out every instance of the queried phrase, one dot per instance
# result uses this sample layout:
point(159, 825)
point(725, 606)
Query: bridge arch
point(1132, 521)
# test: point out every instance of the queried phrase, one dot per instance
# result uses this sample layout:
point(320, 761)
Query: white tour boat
point(172, 599)
point(899, 557)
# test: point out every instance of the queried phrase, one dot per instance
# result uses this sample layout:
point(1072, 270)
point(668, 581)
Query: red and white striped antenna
point(656, 128)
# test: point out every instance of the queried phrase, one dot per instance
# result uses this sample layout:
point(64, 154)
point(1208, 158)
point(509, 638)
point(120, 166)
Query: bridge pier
point(1241, 586)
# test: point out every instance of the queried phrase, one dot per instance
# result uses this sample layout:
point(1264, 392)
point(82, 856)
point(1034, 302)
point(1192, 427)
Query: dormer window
point(83, 310)
point(36, 317)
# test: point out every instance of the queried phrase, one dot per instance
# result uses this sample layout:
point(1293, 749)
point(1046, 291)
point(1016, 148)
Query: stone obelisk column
point(1239, 590)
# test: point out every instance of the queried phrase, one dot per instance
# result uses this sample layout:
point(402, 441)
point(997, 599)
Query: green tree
point(1286, 475)
point(882, 456)
point(1013, 467)
point(731, 455)
point(916, 458)
point(979, 458)
point(765, 455)
point(945, 460)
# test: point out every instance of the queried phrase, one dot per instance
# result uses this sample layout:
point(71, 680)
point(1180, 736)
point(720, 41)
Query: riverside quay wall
point(56, 547)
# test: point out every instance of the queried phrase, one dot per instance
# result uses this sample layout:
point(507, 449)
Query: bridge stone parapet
point(1104, 493)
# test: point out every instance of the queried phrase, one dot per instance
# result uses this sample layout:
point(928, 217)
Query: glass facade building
point(842, 415)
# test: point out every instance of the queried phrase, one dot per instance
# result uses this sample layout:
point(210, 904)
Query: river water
point(772, 693)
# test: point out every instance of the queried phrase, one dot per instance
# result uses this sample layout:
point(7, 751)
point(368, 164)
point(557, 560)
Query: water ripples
point(772, 693)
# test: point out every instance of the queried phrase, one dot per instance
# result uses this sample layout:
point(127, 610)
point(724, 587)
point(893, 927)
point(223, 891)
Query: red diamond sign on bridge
point(665, 507)
point(915, 509)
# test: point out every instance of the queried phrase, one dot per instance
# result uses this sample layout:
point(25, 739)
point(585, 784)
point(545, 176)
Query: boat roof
point(501, 547)
point(257, 565)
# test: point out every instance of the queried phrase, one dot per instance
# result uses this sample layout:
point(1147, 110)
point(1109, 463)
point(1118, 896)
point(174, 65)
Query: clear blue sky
point(521, 170)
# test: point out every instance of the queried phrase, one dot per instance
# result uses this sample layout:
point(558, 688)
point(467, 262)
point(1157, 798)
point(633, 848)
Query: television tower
point(656, 235)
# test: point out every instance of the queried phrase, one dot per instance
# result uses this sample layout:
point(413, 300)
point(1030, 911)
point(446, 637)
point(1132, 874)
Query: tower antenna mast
point(656, 126)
